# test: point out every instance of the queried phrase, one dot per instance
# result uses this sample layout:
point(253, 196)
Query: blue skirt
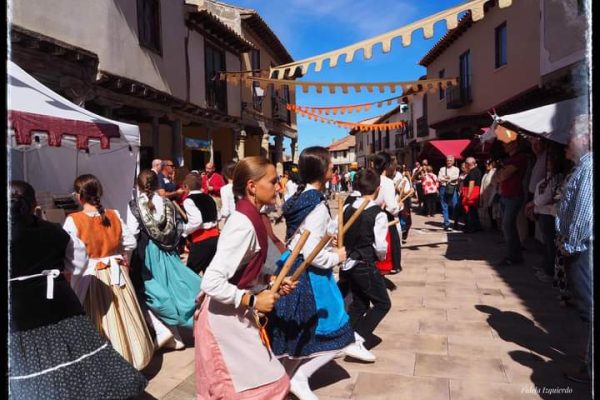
point(293, 323)
point(170, 287)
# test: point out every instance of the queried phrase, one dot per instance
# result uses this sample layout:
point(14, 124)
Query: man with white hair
point(448, 177)
point(574, 230)
point(157, 165)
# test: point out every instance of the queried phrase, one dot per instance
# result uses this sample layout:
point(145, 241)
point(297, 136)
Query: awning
point(552, 122)
point(34, 107)
point(440, 149)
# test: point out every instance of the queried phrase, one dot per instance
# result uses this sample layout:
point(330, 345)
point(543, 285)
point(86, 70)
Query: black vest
point(37, 245)
point(206, 205)
point(360, 237)
point(350, 200)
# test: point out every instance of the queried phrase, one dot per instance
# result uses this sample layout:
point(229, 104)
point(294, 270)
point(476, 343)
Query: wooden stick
point(180, 211)
point(394, 222)
point(290, 261)
point(412, 191)
point(311, 257)
point(354, 217)
point(340, 240)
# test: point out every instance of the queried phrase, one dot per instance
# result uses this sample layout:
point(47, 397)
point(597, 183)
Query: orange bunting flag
point(353, 125)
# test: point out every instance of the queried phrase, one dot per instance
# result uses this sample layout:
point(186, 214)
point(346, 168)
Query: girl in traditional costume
point(385, 166)
point(169, 287)
point(103, 284)
point(233, 360)
point(310, 326)
point(55, 352)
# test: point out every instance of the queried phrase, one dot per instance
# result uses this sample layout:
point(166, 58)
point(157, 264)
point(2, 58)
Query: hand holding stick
point(290, 261)
point(340, 238)
point(311, 257)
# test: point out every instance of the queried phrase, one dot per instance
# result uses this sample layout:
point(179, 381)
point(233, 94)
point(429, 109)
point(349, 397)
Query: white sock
point(311, 366)
point(159, 327)
point(358, 339)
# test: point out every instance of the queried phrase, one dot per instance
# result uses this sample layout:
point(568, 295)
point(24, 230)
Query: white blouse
point(227, 200)
point(236, 247)
point(290, 188)
point(318, 222)
point(387, 196)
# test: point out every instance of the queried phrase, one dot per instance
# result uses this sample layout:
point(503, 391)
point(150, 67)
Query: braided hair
point(147, 182)
point(89, 189)
point(22, 200)
point(313, 165)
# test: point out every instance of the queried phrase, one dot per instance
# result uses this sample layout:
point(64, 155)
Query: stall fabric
point(439, 149)
point(552, 122)
point(52, 141)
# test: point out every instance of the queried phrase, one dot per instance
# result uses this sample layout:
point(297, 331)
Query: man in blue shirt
point(166, 186)
point(574, 224)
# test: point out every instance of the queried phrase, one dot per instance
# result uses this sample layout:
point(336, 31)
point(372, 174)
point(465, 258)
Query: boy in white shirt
point(365, 244)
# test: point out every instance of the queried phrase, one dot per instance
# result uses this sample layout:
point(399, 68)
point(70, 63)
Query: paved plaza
point(459, 329)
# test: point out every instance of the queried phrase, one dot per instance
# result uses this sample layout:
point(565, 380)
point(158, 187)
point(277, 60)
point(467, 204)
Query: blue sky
point(312, 27)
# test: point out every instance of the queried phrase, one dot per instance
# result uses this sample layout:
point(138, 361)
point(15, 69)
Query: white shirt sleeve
point(317, 223)
point(128, 240)
point(226, 199)
point(387, 196)
point(236, 246)
point(380, 229)
point(132, 223)
point(194, 217)
point(76, 257)
point(453, 173)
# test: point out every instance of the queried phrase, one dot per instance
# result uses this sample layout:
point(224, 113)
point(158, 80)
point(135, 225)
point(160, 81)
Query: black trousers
point(430, 203)
point(201, 254)
point(368, 288)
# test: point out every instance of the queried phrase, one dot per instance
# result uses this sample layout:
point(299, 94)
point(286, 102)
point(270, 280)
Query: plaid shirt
point(574, 218)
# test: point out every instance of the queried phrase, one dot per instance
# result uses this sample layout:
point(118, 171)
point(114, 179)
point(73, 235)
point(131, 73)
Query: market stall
point(52, 141)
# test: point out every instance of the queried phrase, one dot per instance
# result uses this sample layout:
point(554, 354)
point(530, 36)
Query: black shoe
point(394, 271)
point(447, 228)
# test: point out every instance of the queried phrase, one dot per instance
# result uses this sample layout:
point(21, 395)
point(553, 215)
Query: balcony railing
point(458, 96)
point(280, 112)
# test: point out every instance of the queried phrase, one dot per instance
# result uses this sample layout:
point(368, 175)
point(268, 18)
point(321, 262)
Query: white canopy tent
point(53, 141)
point(552, 122)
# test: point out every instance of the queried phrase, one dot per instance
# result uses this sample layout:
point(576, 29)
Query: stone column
point(265, 145)
point(241, 145)
point(177, 142)
point(294, 150)
point(155, 136)
point(278, 149)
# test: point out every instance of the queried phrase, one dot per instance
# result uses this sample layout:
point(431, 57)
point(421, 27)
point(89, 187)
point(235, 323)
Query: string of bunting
point(406, 86)
point(334, 110)
point(352, 125)
point(450, 15)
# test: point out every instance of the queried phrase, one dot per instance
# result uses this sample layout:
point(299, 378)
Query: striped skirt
point(117, 315)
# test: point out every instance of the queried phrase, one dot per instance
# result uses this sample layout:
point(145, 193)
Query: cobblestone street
point(459, 329)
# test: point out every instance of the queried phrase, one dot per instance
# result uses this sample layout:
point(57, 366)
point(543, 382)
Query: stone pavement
point(459, 329)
